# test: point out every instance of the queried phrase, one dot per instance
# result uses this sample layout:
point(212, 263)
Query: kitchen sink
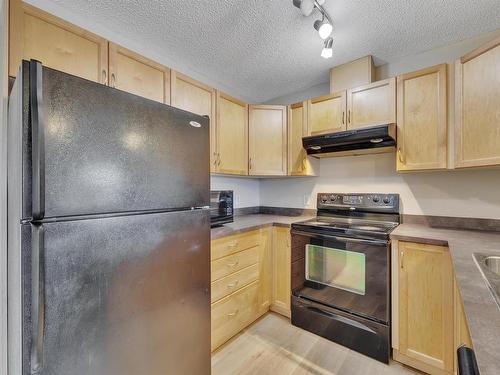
point(490, 268)
point(493, 264)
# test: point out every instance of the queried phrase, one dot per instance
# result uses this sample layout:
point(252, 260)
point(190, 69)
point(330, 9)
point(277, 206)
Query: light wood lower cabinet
point(426, 308)
point(241, 270)
point(232, 136)
point(422, 119)
point(131, 72)
point(477, 107)
point(299, 164)
point(327, 114)
point(372, 104)
point(267, 140)
point(281, 271)
point(35, 34)
point(233, 313)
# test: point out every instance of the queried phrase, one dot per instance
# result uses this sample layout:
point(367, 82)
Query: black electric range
point(341, 271)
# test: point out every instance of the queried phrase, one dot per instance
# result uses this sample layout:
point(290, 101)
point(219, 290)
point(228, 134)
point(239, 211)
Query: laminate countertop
point(246, 223)
point(481, 310)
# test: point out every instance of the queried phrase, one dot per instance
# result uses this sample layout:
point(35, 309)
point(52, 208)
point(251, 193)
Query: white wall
point(246, 190)
point(464, 193)
point(3, 185)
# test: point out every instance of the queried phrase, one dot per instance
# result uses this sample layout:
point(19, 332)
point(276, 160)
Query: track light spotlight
point(323, 27)
point(327, 51)
point(305, 6)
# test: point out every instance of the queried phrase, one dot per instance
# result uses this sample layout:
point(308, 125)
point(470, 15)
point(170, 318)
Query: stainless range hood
point(374, 139)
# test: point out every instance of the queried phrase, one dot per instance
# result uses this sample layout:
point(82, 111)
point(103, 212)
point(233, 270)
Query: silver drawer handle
point(232, 285)
point(232, 244)
point(233, 313)
point(233, 264)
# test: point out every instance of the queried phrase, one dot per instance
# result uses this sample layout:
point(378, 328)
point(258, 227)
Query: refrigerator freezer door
point(96, 149)
point(121, 296)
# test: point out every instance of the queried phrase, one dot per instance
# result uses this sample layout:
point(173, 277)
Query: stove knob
point(376, 199)
point(333, 198)
point(387, 200)
point(324, 200)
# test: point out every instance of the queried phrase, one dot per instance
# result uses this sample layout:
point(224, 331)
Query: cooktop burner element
point(355, 215)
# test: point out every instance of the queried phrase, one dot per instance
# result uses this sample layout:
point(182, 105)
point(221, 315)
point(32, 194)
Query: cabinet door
point(133, 73)
point(422, 119)
point(299, 164)
point(425, 307)
point(266, 270)
point(196, 97)
point(373, 104)
point(282, 270)
point(462, 334)
point(232, 135)
point(327, 114)
point(267, 140)
point(477, 106)
point(57, 44)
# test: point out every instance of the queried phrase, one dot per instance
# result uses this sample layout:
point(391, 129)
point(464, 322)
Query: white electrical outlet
point(307, 200)
point(236, 199)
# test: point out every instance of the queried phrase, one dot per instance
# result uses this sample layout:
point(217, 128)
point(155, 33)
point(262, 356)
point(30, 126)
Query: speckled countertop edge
point(481, 310)
point(246, 223)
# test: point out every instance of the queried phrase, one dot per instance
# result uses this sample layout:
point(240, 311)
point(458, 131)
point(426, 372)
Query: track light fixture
point(323, 26)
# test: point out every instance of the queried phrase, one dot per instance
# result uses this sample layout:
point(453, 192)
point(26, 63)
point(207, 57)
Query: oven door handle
point(338, 318)
point(340, 239)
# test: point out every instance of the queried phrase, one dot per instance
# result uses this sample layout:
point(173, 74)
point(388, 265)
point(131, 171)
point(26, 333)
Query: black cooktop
point(351, 227)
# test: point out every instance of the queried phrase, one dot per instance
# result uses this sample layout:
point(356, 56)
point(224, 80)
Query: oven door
point(221, 207)
point(349, 274)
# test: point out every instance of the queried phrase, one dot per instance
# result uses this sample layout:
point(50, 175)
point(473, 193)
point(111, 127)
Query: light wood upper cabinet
point(477, 107)
point(133, 73)
point(193, 96)
point(372, 104)
point(281, 271)
point(327, 114)
point(35, 34)
point(299, 164)
point(426, 311)
point(232, 135)
point(422, 119)
point(267, 140)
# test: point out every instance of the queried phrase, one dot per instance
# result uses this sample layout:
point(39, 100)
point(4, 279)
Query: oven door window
point(336, 268)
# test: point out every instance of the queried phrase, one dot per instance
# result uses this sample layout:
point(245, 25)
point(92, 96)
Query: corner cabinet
point(299, 164)
point(427, 314)
point(193, 96)
point(477, 107)
point(372, 104)
point(131, 72)
point(35, 34)
point(422, 119)
point(231, 136)
point(267, 132)
point(327, 114)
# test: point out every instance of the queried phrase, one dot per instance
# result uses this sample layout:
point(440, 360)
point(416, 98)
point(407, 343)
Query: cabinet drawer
point(233, 313)
point(234, 282)
point(232, 244)
point(232, 263)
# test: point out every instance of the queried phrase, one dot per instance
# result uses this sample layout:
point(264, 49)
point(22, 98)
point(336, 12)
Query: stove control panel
point(380, 202)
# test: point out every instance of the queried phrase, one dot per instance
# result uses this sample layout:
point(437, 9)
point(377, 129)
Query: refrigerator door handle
point(38, 141)
point(37, 297)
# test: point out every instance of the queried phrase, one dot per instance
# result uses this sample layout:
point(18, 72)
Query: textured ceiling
point(259, 50)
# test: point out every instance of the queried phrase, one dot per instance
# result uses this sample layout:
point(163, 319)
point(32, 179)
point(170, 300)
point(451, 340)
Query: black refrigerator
point(108, 231)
